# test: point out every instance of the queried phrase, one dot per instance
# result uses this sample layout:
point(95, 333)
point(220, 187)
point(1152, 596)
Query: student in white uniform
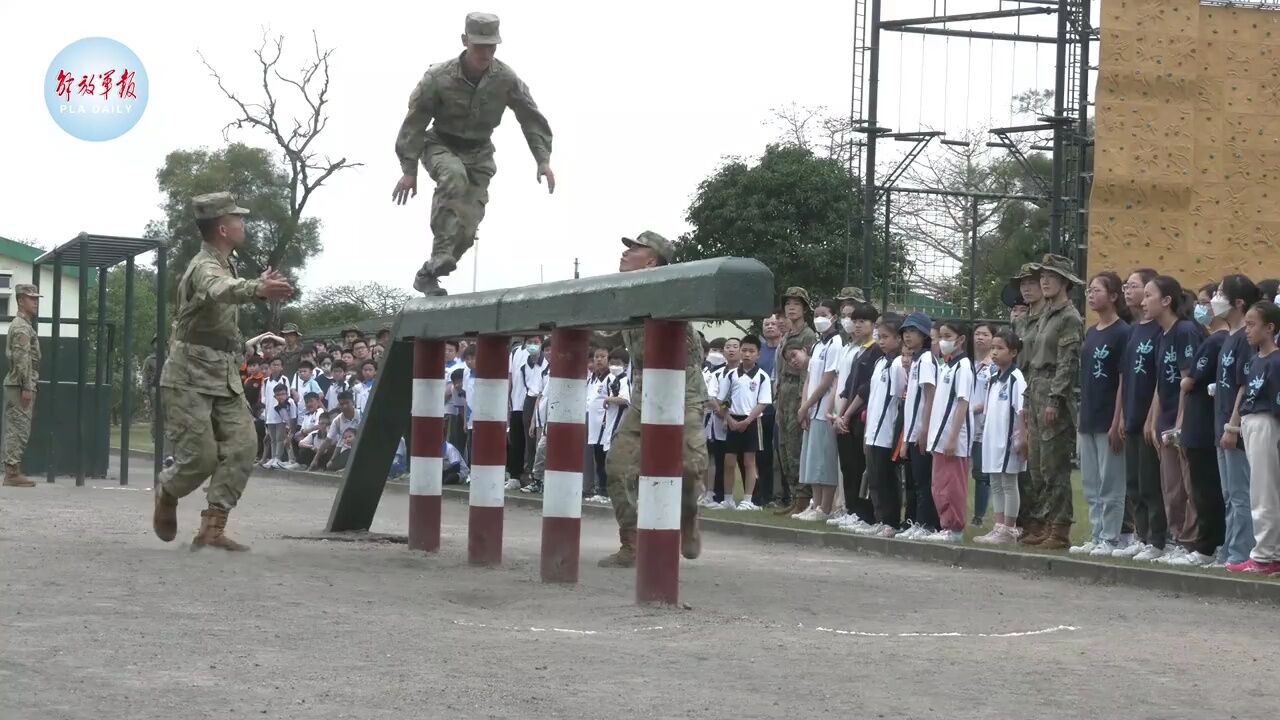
point(884, 403)
point(744, 394)
point(1004, 452)
point(950, 432)
point(714, 361)
point(819, 460)
point(922, 376)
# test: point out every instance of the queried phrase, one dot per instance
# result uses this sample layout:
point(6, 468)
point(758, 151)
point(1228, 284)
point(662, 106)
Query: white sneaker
point(1129, 551)
point(991, 537)
point(1103, 549)
point(512, 484)
point(944, 536)
point(746, 504)
point(910, 532)
point(1192, 559)
point(803, 514)
point(1008, 535)
point(853, 523)
point(1084, 549)
point(293, 466)
point(1177, 553)
point(819, 516)
point(839, 517)
point(866, 529)
point(889, 531)
point(707, 500)
point(1149, 553)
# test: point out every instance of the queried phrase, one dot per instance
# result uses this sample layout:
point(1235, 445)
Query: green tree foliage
point(342, 304)
point(144, 328)
point(791, 210)
point(273, 237)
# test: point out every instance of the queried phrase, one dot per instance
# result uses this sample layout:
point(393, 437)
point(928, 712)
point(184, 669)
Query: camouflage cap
point(653, 241)
point(1028, 270)
point(290, 328)
point(1060, 266)
point(24, 289)
point(851, 293)
point(482, 29)
point(215, 205)
point(798, 293)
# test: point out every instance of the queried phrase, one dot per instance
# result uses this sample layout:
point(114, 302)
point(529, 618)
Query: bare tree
point(376, 298)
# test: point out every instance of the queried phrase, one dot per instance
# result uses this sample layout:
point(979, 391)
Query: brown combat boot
point(626, 555)
point(213, 523)
point(13, 477)
point(164, 519)
point(1058, 537)
point(797, 505)
point(1034, 533)
point(690, 536)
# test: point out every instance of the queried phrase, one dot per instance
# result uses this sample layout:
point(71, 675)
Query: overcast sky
point(644, 100)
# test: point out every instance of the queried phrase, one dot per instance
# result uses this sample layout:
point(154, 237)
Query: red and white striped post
point(426, 445)
point(566, 437)
point(488, 451)
point(661, 463)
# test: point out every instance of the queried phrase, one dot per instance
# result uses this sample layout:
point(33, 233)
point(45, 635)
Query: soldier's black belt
point(461, 143)
point(213, 342)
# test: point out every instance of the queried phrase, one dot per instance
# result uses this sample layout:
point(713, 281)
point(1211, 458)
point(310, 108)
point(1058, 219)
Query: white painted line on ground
point(858, 633)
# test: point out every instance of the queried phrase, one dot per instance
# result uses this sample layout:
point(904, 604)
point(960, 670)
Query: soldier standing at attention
point(1050, 403)
point(22, 347)
point(463, 99)
point(790, 385)
point(1025, 326)
point(207, 418)
point(622, 466)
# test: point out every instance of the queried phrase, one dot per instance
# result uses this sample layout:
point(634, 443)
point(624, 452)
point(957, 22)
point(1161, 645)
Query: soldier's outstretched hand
point(545, 169)
point(405, 189)
point(274, 287)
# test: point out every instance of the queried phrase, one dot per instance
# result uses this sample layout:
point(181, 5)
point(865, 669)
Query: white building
point(15, 268)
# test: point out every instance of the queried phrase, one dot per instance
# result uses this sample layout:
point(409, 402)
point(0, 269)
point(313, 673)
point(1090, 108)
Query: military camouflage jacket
point(206, 347)
point(786, 374)
point(22, 347)
point(1055, 355)
point(695, 387)
point(467, 112)
point(1026, 328)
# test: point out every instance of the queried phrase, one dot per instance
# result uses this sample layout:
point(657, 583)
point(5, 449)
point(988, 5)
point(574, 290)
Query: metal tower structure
point(1068, 187)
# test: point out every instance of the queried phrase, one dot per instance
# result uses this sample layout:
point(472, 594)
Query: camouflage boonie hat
point(290, 328)
point(1028, 270)
point(215, 205)
point(851, 293)
point(26, 289)
point(798, 293)
point(1060, 266)
point(653, 241)
point(482, 29)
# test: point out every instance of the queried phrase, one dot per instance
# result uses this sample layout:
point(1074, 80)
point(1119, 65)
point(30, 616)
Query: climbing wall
point(1187, 158)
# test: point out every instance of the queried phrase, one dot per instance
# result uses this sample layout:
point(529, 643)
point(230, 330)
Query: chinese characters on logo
point(125, 87)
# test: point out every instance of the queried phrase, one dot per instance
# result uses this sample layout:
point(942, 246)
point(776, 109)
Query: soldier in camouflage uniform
point(789, 384)
point(1050, 408)
point(622, 466)
point(463, 100)
point(22, 346)
point(207, 418)
point(1027, 281)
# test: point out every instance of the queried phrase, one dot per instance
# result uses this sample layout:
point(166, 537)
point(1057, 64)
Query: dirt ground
point(99, 619)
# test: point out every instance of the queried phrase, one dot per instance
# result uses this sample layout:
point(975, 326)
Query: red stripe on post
point(661, 456)
point(565, 445)
point(488, 449)
point(426, 435)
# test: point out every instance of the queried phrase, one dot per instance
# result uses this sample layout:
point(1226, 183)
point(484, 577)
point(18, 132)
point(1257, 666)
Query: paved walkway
point(102, 620)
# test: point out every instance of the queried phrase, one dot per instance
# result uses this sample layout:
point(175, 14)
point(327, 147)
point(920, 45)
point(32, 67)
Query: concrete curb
point(964, 556)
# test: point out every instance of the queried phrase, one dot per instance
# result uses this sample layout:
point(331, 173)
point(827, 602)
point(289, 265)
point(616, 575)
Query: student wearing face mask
point(819, 461)
point(1236, 294)
point(857, 320)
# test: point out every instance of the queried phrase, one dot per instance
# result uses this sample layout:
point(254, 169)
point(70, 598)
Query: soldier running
point(208, 420)
point(23, 349)
point(463, 100)
point(649, 250)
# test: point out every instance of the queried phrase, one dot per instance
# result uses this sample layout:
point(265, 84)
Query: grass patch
point(139, 437)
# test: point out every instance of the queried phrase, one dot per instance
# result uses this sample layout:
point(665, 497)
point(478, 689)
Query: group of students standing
point(1170, 400)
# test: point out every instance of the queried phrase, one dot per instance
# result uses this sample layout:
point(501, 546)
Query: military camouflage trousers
point(17, 425)
point(622, 465)
point(210, 437)
point(1049, 448)
point(790, 439)
point(458, 204)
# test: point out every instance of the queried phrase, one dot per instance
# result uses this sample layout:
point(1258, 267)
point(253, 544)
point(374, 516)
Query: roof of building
point(28, 254)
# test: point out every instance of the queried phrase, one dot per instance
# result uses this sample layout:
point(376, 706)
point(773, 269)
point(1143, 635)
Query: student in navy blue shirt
point(1101, 435)
point(1236, 294)
point(1195, 436)
point(1143, 500)
point(1257, 421)
point(1163, 301)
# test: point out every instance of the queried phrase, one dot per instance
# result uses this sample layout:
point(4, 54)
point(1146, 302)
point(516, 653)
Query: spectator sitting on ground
point(344, 419)
point(311, 443)
point(308, 419)
point(456, 469)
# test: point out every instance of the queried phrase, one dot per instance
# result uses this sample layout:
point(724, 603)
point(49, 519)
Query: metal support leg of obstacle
point(426, 445)
point(489, 451)
point(566, 437)
point(661, 463)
